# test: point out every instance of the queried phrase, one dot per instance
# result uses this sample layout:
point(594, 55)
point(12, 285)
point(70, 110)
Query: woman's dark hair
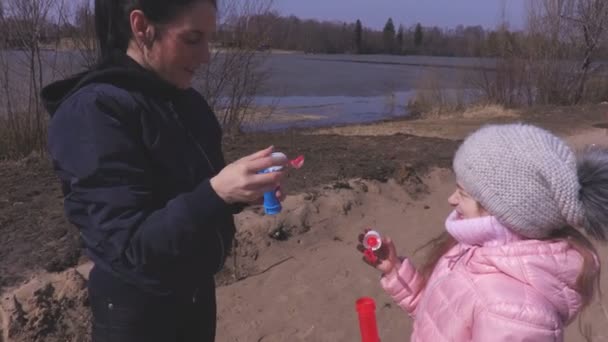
point(112, 25)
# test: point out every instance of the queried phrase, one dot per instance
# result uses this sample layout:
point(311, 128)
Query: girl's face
point(465, 205)
point(181, 46)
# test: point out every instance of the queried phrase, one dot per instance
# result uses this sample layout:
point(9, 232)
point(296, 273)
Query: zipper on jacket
point(213, 171)
point(189, 134)
point(439, 281)
point(430, 289)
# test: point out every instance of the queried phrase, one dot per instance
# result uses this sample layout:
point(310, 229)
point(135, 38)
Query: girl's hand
point(386, 259)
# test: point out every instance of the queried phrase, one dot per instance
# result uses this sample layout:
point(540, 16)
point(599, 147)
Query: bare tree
point(237, 71)
point(76, 47)
point(26, 27)
point(84, 37)
point(591, 19)
point(553, 61)
point(564, 38)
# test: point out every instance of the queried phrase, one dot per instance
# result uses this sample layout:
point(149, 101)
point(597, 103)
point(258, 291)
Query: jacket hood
point(117, 69)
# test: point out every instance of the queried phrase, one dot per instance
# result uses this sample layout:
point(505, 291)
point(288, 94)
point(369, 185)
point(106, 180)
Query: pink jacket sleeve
point(499, 323)
point(405, 285)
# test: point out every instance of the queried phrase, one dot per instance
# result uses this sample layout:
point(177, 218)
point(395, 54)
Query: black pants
point(123, 313)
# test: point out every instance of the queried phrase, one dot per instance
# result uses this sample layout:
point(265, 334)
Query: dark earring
point(149, 37)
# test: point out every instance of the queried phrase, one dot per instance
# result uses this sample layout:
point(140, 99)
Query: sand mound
point(50, 307)
point(305, 215)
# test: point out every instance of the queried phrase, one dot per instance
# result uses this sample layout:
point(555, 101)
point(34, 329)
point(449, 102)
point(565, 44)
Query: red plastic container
point(366, 308)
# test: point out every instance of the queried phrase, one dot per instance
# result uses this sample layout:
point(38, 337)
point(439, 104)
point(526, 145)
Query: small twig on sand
point(267, 268)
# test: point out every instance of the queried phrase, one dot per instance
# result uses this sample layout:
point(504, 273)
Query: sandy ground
point(296, 276)
point(312, 296)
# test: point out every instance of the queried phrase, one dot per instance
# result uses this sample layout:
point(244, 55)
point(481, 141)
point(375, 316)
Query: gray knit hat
point(523, 175)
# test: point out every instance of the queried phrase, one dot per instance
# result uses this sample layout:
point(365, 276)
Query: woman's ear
point(140, 28)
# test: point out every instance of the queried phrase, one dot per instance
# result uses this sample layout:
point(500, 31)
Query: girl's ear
point(482, 210)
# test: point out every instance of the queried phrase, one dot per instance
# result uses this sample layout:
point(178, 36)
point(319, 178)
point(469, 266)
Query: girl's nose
point(453, 200)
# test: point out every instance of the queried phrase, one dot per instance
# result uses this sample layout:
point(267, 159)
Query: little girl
point(512, 265)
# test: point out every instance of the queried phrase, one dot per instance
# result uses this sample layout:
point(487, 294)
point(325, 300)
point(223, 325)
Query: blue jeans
point(123, 313)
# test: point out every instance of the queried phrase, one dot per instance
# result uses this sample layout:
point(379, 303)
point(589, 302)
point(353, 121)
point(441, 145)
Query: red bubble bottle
point(366, 309)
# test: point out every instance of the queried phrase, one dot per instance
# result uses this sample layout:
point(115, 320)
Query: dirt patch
point(333, 158)
point(34, 233)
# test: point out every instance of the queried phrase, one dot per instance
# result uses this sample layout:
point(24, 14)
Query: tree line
point(273, 31)
point(332, 37)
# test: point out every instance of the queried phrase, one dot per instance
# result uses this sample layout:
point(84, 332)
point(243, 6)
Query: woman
point(139, 156)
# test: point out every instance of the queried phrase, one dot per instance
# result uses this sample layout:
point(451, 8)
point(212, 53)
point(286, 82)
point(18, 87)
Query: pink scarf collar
point(482, 231)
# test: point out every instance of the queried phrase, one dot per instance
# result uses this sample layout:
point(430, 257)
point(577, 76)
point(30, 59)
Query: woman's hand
point(240, 182)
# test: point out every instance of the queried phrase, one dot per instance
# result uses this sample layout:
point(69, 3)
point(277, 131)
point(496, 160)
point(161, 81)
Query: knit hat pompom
point(593, 175)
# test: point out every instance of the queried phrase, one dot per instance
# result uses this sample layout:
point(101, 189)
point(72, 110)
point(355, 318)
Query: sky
point(441, 13)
